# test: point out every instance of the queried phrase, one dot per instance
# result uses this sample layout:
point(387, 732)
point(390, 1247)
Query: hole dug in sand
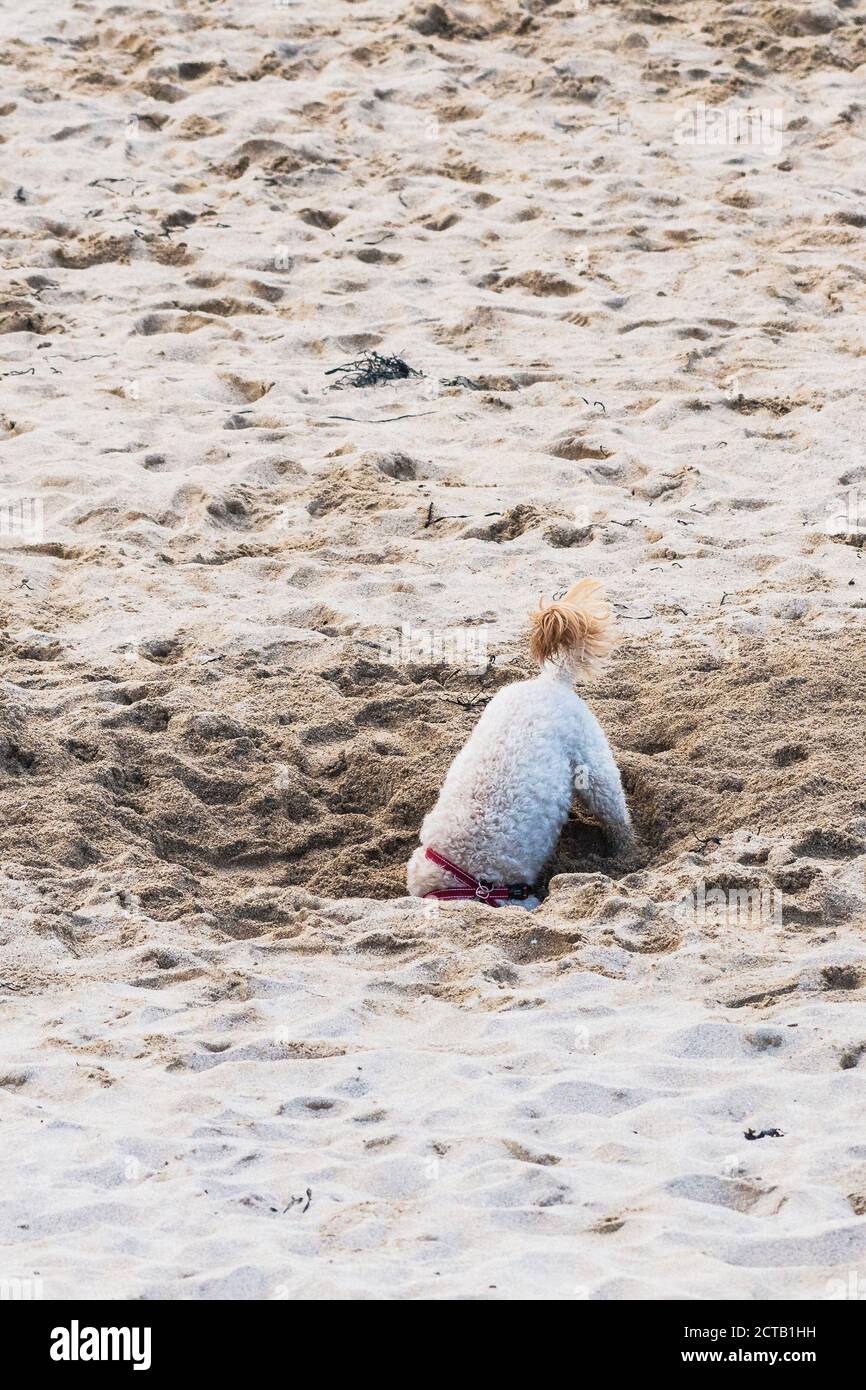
point(202, 788)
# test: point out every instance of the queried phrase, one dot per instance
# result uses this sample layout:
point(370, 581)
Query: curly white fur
point(508, 792)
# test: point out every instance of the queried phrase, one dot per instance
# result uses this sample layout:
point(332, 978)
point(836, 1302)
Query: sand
point(258, 614)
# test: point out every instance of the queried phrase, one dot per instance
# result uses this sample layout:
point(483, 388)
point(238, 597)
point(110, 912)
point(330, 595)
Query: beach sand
point(250, 612)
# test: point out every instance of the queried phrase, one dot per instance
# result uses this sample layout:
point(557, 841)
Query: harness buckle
point(483, 890)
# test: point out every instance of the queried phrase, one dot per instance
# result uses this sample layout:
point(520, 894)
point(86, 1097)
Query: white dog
point(508, 792)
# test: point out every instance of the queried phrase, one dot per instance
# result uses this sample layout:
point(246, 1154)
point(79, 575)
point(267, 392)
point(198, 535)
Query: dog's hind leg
point(598, 788)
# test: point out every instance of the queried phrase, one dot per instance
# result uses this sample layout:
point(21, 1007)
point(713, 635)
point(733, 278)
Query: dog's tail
point(575, 631)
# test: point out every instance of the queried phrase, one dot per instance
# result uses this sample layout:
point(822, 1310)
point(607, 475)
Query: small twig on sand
point(387, 421)
point(297, 1201)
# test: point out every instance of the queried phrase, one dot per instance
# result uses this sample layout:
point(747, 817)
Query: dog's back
point(507, 794)
point(509, 790)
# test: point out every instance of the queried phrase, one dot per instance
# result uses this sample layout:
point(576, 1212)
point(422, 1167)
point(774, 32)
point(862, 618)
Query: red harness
point(494, 894)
